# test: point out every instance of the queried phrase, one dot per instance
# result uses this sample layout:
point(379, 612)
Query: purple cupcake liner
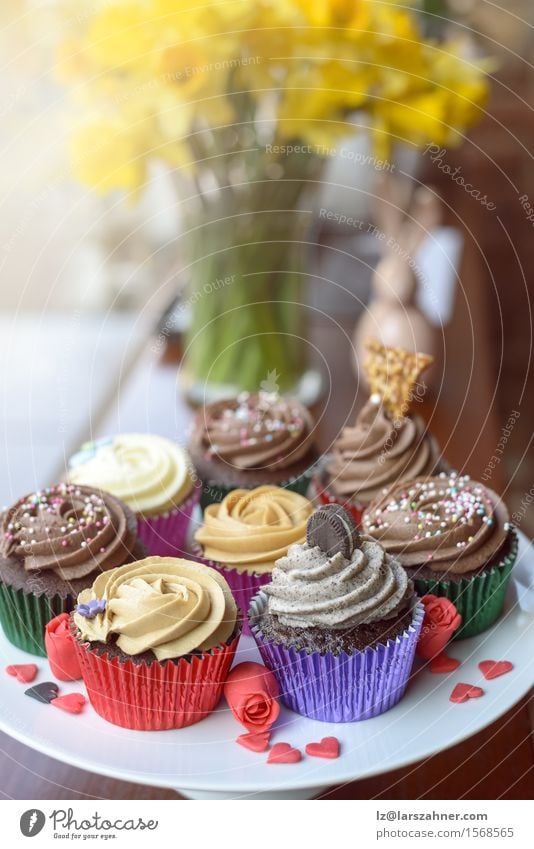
point(242, 585)
point(164, 535)
point(340, 688)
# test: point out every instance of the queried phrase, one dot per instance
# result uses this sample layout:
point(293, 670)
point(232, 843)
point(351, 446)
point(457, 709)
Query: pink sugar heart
point(464, 692)
point(71, 702)
point(494, 668)
point(443, 663)
point(255, 742)
point(283, 753)
point(24, 672)
point(327, 748)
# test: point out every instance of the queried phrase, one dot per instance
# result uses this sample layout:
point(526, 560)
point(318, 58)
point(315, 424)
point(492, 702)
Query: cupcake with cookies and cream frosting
point(244, 534)
point(338, 624)
point(155, 642)
point(52, 545)
point(152, 475)
point(454, 538)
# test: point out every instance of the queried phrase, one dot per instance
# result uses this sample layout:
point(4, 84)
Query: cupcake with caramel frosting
point(250, 441)
point(245, 534)
point(386, 444)
point(454, 538)
point(155, 641)
point(52, 545)
point(339, 622)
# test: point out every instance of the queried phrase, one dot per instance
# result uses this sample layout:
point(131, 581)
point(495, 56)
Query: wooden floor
point(498, 762)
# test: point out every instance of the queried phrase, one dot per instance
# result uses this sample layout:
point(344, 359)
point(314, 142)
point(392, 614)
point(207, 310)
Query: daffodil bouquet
point(244, 100)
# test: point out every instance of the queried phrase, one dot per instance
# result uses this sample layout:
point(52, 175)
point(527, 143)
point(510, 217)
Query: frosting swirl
point(70, 530)
point(149, 473)
point(377, 452)
point(255, 431)
point(250, 529)
point(310, 589)
point(166, 605)
point(446, 523)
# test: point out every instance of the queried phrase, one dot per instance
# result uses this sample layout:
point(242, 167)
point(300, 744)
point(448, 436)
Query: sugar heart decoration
point(71, 702)
point(283, 753)
point(327, 748)
point(24, 672)
point(464, 692)
point(444, 663)
point(494, 668)
point(258, 742)
point(44, 692)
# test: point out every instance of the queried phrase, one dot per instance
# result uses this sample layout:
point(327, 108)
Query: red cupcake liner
point(156, 696)
point(164, 535)
point(243, 585)
point(324, 496)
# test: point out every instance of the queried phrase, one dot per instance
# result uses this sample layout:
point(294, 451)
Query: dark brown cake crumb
point(325, 640)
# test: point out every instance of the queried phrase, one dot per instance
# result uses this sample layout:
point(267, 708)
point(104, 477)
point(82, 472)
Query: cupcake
point(453, 537)
point(386, 443)
point(251, 441)
point(247, 531)
point(53, 543)
point(152, 475)
point(338, 625)
point(155, 641)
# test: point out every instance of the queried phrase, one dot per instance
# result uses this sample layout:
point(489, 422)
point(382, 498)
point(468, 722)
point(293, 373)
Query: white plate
point(204, 761)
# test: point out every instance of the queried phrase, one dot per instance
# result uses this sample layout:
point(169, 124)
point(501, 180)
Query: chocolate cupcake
point(454, 539)
point(251, 441)
point(52, 544)
point(386, 444)
point(338, 624)
point(155, 641)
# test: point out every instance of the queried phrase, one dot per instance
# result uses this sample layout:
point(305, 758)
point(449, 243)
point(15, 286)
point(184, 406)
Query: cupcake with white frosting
point(339, 622)
point(152, 475)
point(155, 641)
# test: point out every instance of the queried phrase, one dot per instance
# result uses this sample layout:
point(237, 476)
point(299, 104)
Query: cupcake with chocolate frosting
point(155, 641)
point(152, 475)
point(386, 444)
point(244, 534)
point(251, 441)
point(52, 545)
point(339, 622)
point(454, 538)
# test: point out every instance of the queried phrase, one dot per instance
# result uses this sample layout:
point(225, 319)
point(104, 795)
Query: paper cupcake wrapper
point(164, 535)
point(479, 599)
point(25, 615)
point(156, 696)
point(340, 688)
point(242, 585)
point(324, 496)
point(213, 493)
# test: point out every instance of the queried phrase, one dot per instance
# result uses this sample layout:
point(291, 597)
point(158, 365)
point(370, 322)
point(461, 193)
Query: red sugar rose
point(251, 691)
point(440, 622)
point(60, 649)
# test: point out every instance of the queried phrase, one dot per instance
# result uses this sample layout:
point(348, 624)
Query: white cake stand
point(204, 762)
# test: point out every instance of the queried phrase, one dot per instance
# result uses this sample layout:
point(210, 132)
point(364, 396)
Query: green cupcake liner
point(213, 493)
point(24, 616)
point(478, 599)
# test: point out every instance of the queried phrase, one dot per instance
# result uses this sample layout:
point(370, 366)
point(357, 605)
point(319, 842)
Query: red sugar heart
point(283, 753)
point(327, 748)
point(443, 663)
point(71, 702)
point(255, 742)
point(494, 668)
point(463, 692)
point(24, 672)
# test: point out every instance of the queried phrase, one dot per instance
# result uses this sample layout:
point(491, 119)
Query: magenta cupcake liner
point(242, 585)
point(164, 535)
point(340, 688)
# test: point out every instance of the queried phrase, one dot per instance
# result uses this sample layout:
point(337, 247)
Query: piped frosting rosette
point(52, 542)
point(453, 536)
point(152, 475)
point(247, 532)
point(155, 642)
point(324, 588)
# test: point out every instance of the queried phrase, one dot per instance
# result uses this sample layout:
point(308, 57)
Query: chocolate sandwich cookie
point(333, 530)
